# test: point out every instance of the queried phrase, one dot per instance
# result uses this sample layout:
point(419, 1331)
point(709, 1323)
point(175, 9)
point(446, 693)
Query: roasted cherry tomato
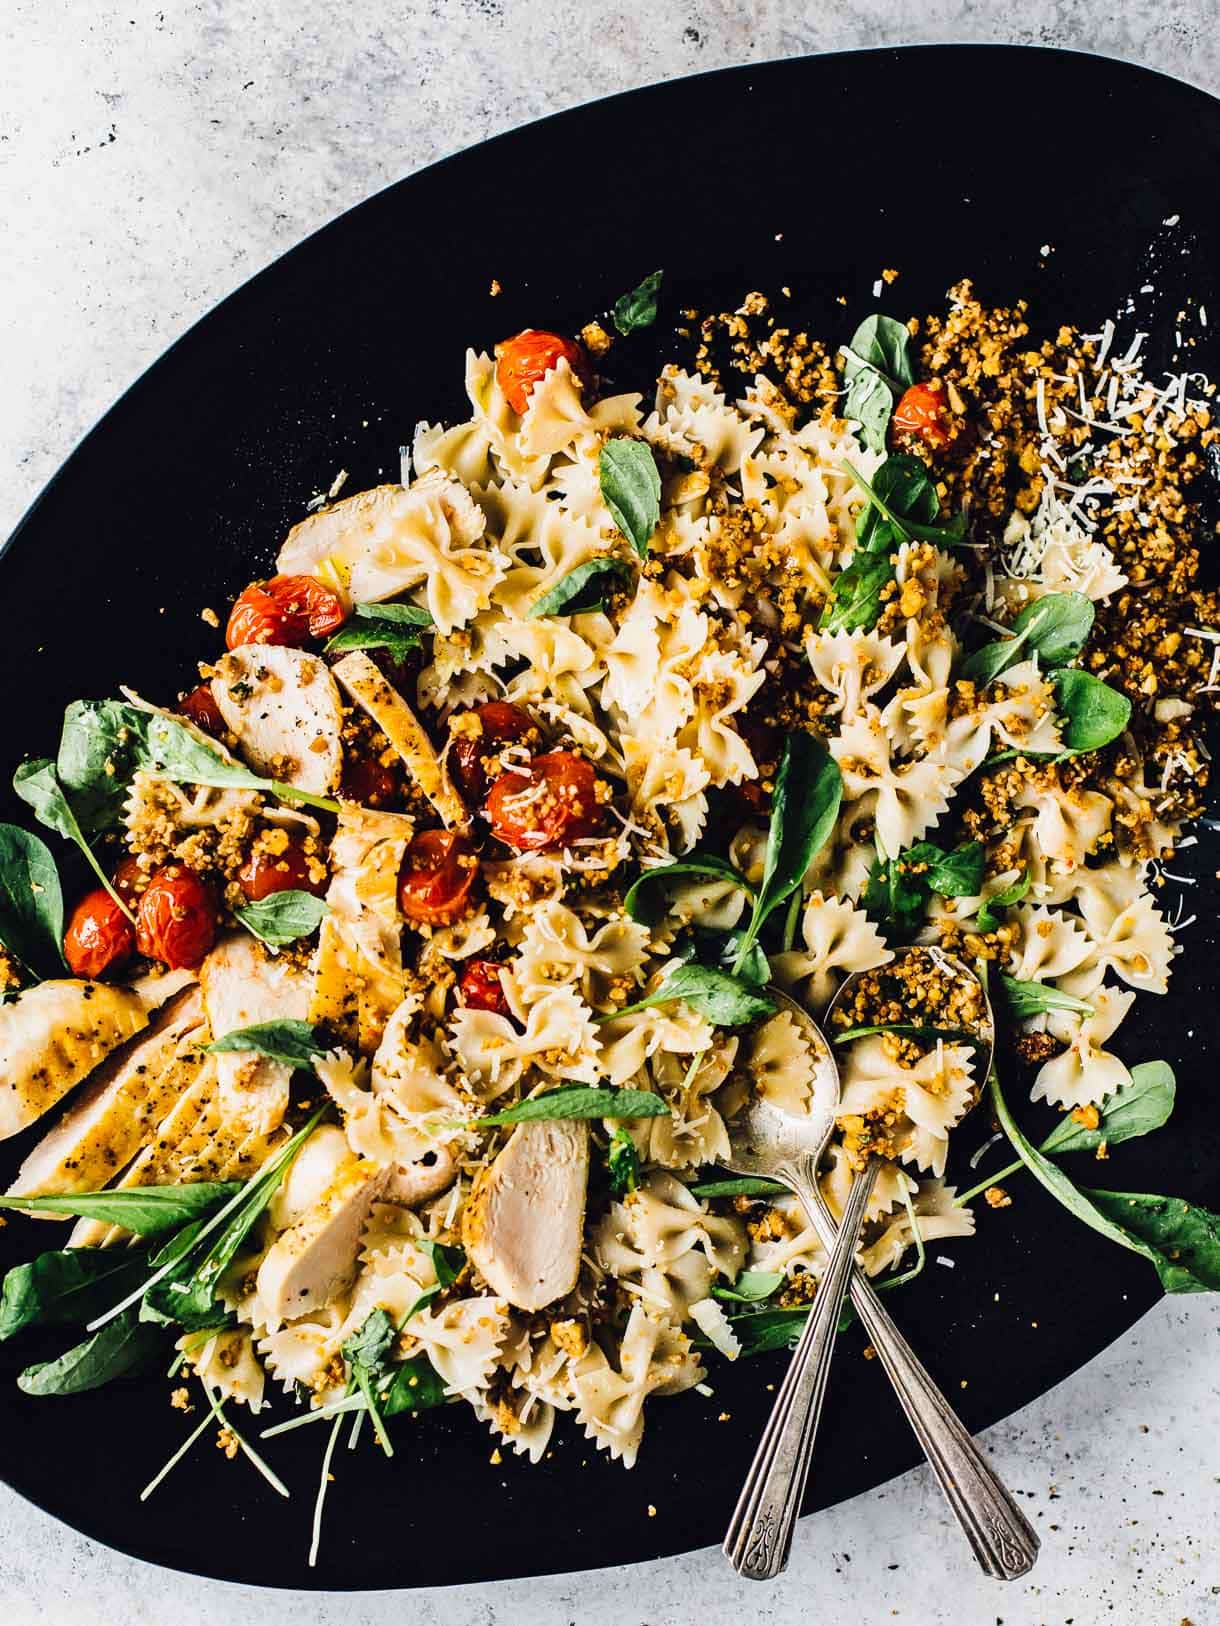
point(129, 881)
point(550, 805)
point(367, 781)
point(924, 414)
point(176, 922)
point(436, 877)
point(99, 936)
point(284, 610)
point(527, 357)
point(287, 871)
point(482, 988)
point(499, 723)
point(200, 706)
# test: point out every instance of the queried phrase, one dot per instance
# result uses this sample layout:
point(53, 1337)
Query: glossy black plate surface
point(943, 162)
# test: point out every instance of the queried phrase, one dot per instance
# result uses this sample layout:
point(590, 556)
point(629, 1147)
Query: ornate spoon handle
point(760, 1533)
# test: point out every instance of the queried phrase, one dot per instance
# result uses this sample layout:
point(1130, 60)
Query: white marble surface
point(152, 155)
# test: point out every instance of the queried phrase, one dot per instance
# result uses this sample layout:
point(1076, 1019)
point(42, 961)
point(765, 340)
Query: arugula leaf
point(282, 917)
point(745, 1185)
point(622, 1163)
point(641, 901)
point(897, 890)
point(638, 309)
point(122, 1345)
point(36, 784)
point(804, 808)
point(448, 1262)
point(751, 1286)
point(1182, 1240)
point(417, 1386)
point(899, 500)
point(296, 1044)
point(577, 1101)
point(31, 902)
point(762, 1331)
point(877, 365)
point(854, 602)
point(988, 918)
point(371, 1345)
point(1054, 627)
point(146, 1210)
point(726, 1001)
point(1095, 713)
point(582, 589)
point(66, 1287)
point(631, 488)
point(381, 626)
point(1032, 998)
point(1136, 1108)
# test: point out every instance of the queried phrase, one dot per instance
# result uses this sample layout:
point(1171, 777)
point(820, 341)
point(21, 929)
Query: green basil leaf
point(747, 962)
point(283, 917)
point(855, 595)
point(121, 1346)
point(582, 589)
point(957, 874)
point(448, 1262)
point(417, 1386)
point(883, 345)
point(381, 626)
point(631, 488)
point(1032, 998)
point(36, 784)
point(645, 897)
point(622, 1163)
point(751, 1286)
point(31, 902)
point(102, 744)
point(427, 1297)
point(1182, 1240)
point(903, 484)
point(1054, 627)
point(804, 809)
point(745, 1185)
point(578, 1101)
point(638, 308)
point(869, 400)
point(372, 1345)
point(762, 1331)
point(296, 1044)
point(1095, 713)
point(725, 1001)
point(988, 917)
point(66, 1287)
point(146, 1210)
point(1136, 1108)
point(406, 615)
point(904, 523)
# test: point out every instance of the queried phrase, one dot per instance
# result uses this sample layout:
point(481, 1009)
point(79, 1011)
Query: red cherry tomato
point(526, 358)
point(551, 805)
point(367, 781)
point(499, 723)
point(99, 936)
point(284, 610)
point(436, 877)
point(289, 871)
point(129, 881)
point(482, 988)
point(923, 414)
point(200, 706)
point(176, 922)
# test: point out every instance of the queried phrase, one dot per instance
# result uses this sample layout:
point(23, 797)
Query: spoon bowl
point(767, 1141)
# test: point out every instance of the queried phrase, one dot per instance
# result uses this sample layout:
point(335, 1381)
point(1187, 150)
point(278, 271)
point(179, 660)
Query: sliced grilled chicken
point(243, 985)
point(123, 1102)
point(413, 1183)
point(365, 684)
point(54, 1035)
point(314, 1260)
point(522, 1225)
point(284, 708)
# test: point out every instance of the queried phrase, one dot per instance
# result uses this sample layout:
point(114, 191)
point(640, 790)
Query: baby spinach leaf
point(645, 897)
point(988, 917)
point(762, 1331)
point(36, 784)
point(582, 589)
point(622, 1163)
point(296, 1044)
point(751, 1286)
point(804, 808)
point(856, 593)
point(1136, 1108)
point(745, 1185)
point(956, 874)
point(725, 1001)
point(146, 1210)
point(631, 488)
point(381, 626)
point(417, 1386)
point(577, 1101)
point(1054, 627)
point(897, 891)
point(121, 1346)
point(31, 902)
point(877, 366)
point(1182, 1240)
point(448, 1262)
point(1032, 998)
point(66, 1287)
point(282, 917)
point(912, 1030)
point(1095, 713)
point(726, 949)
point(102, 744)
point(638, 308)
point(899, 499)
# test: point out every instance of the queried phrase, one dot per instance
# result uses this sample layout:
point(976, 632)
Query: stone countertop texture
point(156, 153)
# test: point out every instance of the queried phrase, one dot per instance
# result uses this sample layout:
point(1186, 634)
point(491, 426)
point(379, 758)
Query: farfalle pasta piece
point(560, 1038)
point(693, 1132)
point(1127, 934)
point(1068, 824)
point(912, 1108)
point(629, 1041)
point(935, 1215)
point(838, 939)
point(556, 948)
point(905, 799)
point(693, 420)
point(852, 666)
point(654, 1357)
point(1086, 1072)
point(661, 1242)
point(1049, 945)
